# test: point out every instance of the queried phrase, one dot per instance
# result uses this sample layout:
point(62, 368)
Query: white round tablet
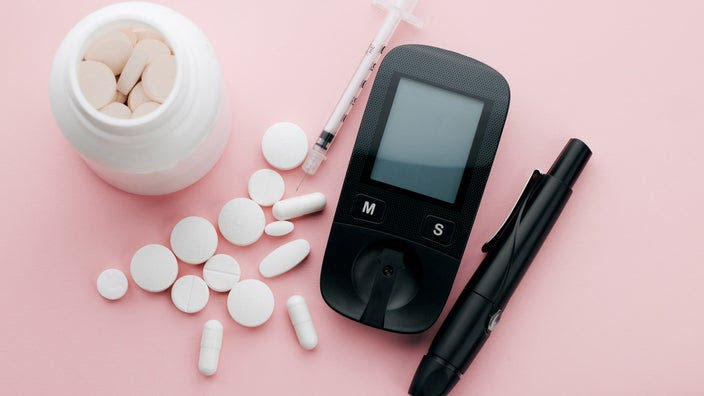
point(117, 110)
point(112, 49)
point(190, 294)
point(154, 268)
point(159, 76)
point(250, 303)
point(241, 221)
point(154, 48)
point(97, 83)
point(221, 272)
point(266, 187)
point(144, 109)
point(112, 284)
point(279, 228)
point(194, 240)
point(284, 145)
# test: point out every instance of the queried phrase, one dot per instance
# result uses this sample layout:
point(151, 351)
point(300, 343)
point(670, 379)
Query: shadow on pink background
point(611, 306)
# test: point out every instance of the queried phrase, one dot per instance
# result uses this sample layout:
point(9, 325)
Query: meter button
point(367, 208)
point(438, 230)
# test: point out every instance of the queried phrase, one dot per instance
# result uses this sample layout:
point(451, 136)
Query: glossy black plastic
point(385, 269)
point(509, 254)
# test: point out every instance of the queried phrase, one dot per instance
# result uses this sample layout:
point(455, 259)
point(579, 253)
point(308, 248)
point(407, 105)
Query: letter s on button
point(438, 229)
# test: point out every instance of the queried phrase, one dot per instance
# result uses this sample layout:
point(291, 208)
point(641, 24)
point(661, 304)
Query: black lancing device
point(418, 170)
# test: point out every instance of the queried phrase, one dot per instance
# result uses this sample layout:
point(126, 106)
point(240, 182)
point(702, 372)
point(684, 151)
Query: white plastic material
point(167, 149)
point(112, 284)
point(302, 322)
point(299, 206)
point(241, 221)
point(210, 345)
point(194, 240)
point(284, 258)
point(154, 268)
point(266, 187)
point(190, 294)
point(250, 303)
point(221, 272)
point(284, 145)
point(279, 228)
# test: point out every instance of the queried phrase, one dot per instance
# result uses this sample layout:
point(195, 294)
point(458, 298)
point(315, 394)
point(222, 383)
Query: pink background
point(611, 306)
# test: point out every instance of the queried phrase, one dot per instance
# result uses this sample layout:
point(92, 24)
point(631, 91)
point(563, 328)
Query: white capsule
point(302, 322)
point(210, 345)
point(299, 206)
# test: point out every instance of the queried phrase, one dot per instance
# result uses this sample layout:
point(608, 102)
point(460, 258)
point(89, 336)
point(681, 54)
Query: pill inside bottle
point(131, 65)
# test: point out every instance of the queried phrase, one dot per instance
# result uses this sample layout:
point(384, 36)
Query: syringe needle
point(301, 182)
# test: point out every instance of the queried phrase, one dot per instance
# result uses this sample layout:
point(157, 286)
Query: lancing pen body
point(478, 309)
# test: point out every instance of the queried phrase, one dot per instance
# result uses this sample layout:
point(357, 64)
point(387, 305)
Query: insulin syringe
point(398, 10)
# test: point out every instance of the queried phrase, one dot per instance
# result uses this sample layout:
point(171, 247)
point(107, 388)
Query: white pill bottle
point(171, 147)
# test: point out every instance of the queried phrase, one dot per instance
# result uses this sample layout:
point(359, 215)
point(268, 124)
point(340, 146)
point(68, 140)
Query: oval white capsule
point(299, 206)
point(302, 322)
point(284, 258)
point(279, 228)
point(210, 344)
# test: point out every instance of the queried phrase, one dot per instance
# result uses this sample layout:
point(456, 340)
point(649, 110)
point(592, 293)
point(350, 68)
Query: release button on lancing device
point(367, 208)
point(438, 230)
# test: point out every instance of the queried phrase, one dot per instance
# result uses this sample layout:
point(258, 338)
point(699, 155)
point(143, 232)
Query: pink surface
point(611, 306)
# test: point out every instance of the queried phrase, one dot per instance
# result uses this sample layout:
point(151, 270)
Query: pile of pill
point(127, 73)
point(194, 241)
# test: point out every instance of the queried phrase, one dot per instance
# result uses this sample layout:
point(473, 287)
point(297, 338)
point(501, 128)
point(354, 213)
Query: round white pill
point(112, 49)
point(302, 322)
point(241, 221)
point(137, 97)
point(147, 33)
point(279, 228)
point(112, 284)
point(284, 258)
point(159, 76)
point(266, 187)
point(132, 71)
point(154, 268)
point(190, 294)
point(221, 272)
point(144, 109)
point(210, 344)
point(194, 240)
point(284, 145)
point(117, 110)
point(97, 83)
point(154, 48)
point(299, 206)
point(250, 303)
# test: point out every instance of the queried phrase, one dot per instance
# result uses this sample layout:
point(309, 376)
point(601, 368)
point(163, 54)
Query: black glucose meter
point(413, 186)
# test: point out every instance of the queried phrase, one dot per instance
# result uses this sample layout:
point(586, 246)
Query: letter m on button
point(368, 208)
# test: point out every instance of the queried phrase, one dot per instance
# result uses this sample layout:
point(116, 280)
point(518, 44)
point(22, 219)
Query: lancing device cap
point(433, 377)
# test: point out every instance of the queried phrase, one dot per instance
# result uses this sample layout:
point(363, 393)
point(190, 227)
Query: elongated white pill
point(284, 258)
point(132, 71)
point(190, 294)
point(302, 322)
point(210, 345)
point(221, 272)
point(299, 206)
point(154, 268)
point(279, 228)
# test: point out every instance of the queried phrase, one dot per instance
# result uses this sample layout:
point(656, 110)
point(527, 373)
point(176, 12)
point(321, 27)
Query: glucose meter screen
point(427, 140)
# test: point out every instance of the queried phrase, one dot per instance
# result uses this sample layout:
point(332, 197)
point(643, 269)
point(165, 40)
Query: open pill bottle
point(163, 151)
